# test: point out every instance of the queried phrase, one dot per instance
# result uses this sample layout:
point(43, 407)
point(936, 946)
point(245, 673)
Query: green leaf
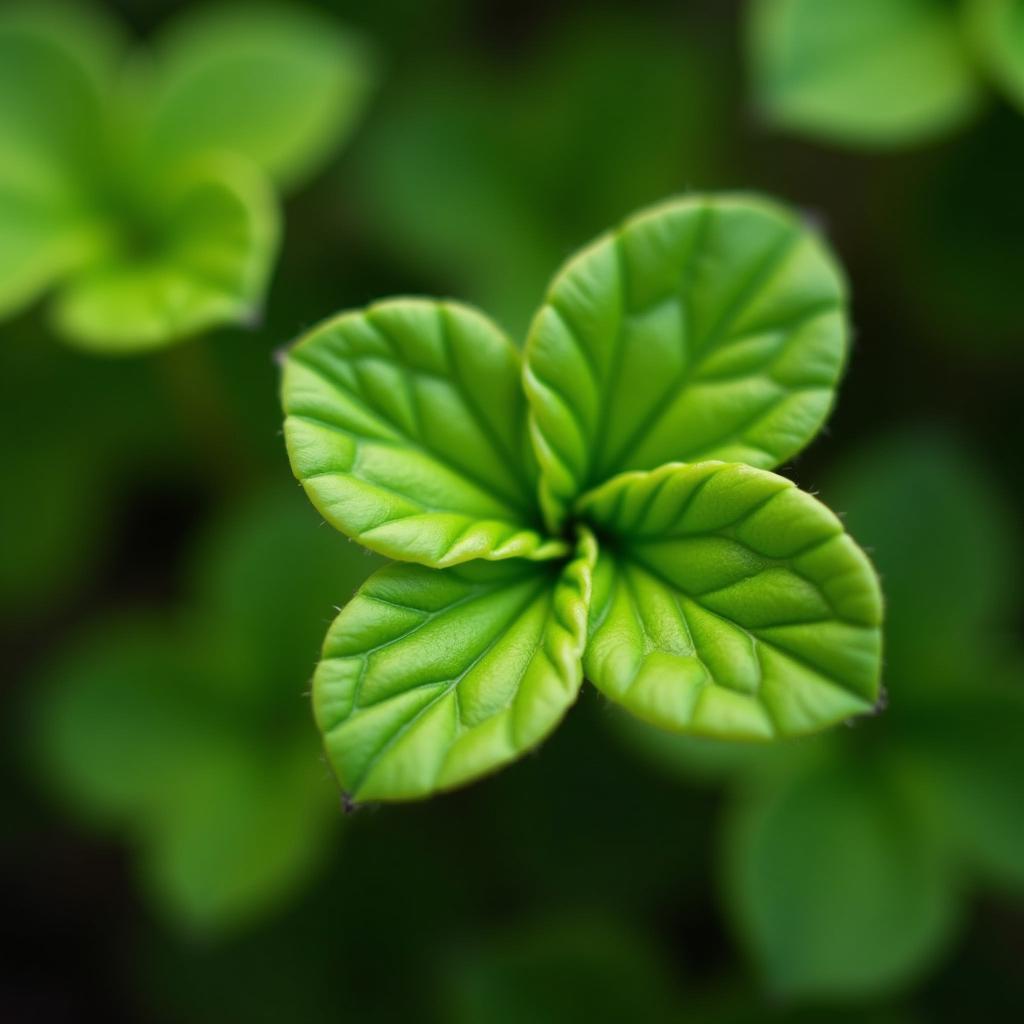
point(280, 85)
point(997, 27)
point(406, 424)
point(728, 603)
point(705, 328)
point(840, 883)
point(873, 73)
point(52, 83)
point(118, 721)
point(239, 835)
point(56, 74)
point(970, 749)
point(195, 254)
point(943, 611)
point(431, 678)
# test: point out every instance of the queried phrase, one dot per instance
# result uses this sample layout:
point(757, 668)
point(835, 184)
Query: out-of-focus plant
point(560, 972)
point(189, 735)
point(882, 73)
point(538, 148)
point(617, 474)
point(139, 188)
point(847, 856)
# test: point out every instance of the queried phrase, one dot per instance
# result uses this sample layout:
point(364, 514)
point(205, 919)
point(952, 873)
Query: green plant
point(527, 498)
point(882, 72)
point(141, 189)
point(847, 857)
point(187, 734)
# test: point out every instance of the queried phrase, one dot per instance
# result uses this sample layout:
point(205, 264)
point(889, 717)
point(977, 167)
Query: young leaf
point(432, 678)
point(278, 84)
point(870, 73)
point(198, 254)
point(406, 425)
point(998, 31)
point(839, 882)
point(705, 328)
point(728, 603)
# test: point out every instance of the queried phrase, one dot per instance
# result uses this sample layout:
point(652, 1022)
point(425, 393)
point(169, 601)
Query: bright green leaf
point(432, 678)
point(998, 30)
point(840, 884)
point(869, 73)
point(705, 328)
point(406, 424)
point(196, 255)
point(728, 603)
point(278, 84)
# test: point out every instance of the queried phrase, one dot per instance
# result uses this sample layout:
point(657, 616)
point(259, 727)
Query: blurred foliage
point(880, 73)
point(504, 135)
point(483, 184)
point(135, 185)
point(189, 735)
point(846, 855)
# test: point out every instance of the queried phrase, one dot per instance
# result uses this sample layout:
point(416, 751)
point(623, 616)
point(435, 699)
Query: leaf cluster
point(139, 186)
point(600, 505)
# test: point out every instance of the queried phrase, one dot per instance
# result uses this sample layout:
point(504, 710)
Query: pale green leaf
point(998, 31)
point(406, 424)
point(705, 328)
point(240, 833)
point(281, 85)
point(196, 255)
point(840, 882)
point(869, 73)
point(431, 678)
point(728, 603)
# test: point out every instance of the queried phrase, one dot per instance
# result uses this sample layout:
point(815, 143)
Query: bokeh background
point(174, 850)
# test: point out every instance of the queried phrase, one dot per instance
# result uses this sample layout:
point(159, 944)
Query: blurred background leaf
point(190, 735)
point(871, 73)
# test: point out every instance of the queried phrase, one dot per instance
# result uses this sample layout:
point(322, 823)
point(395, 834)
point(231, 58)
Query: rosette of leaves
point(139, 187)
point(881, 73)
point(187, 734)
point(847, 857)
point(602, 504)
